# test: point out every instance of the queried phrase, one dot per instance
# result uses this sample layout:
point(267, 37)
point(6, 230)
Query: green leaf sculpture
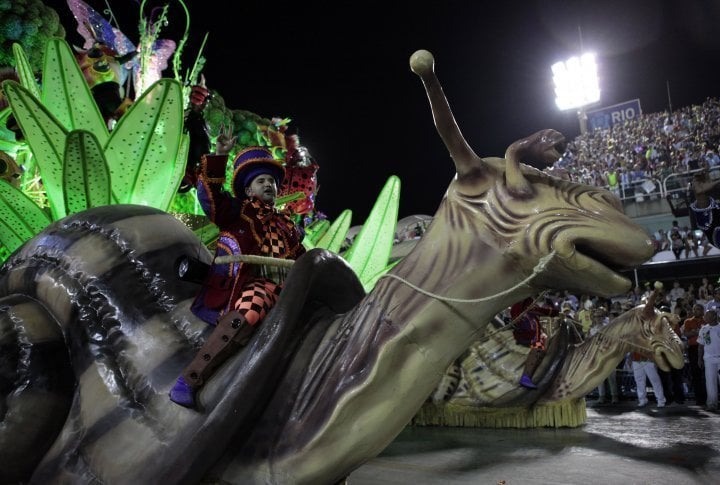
point(369, 254)
point(25, 72)
point(46, 137)
point(20, 217)
point(66, 94)
point(372, 280)
point(86, 179)
point(314, 232)
point(176, 176)
point(142, 151)
point(335, 235)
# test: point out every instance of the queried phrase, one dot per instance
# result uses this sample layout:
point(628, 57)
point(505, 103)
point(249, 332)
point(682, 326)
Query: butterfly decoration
point(143, 68)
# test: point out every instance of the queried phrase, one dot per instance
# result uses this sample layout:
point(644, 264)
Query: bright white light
point(576, 82)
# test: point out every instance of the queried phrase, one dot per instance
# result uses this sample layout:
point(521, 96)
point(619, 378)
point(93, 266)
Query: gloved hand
point(199, 95)
point(225, 140)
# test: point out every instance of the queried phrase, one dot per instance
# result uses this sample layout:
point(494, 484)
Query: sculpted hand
point(225, 140)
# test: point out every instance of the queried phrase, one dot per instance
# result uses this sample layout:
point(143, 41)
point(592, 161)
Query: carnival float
point(95, 322)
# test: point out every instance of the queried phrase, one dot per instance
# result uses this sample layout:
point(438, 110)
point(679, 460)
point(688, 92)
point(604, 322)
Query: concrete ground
point(619, 444)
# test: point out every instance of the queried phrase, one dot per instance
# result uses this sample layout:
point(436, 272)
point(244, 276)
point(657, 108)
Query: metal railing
point(678, 183)
point(673, 186)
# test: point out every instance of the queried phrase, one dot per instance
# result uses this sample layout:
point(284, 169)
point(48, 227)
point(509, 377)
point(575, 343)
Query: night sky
point(340, 71)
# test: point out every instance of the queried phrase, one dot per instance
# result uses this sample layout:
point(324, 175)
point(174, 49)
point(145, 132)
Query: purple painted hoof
point(525, 381)
point(183, 394)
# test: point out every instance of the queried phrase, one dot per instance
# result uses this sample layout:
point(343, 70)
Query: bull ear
point(540, 150)
point(466, 161)
point(514, 179)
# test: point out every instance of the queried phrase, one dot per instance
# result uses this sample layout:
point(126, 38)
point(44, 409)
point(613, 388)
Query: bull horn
point(466, 161)
point(649, 310)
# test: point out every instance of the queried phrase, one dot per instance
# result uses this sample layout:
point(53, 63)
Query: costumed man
point(705, 208)
point(528, 332)
point(236, 296)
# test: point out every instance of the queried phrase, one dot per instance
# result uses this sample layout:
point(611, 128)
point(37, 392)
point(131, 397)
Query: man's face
point(698, 311)
point(710, 317)
point(263, 187)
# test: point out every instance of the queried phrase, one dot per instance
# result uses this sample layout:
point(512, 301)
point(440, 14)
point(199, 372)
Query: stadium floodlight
point(576, 82)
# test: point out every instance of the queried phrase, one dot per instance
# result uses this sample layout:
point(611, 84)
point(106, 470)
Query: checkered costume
point(247, 226)
point(236, 297)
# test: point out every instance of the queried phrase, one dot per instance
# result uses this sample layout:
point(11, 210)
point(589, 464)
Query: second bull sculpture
point(96, 328)
point(480, 388)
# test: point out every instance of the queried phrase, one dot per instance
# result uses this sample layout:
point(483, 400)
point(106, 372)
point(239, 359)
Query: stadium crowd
point(639, 155)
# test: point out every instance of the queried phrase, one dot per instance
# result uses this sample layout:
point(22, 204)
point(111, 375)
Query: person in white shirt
point(600, 319)
point(709, 357)
point(714, 304)
point(675, 293)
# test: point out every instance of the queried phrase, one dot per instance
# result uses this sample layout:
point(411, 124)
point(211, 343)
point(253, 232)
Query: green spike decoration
point(314, 232)
point(335, 235)
point(66, 94)
point(370, 282)
point(169, 198)
point(370, 252)
point(46, 137)
point(86, 180)
point(20, 217)
point(25, 72)
point(81, 164)
point(142, 151)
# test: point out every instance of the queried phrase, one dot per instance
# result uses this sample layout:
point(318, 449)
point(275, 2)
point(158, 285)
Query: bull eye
point(3, 167)
point(94, 53)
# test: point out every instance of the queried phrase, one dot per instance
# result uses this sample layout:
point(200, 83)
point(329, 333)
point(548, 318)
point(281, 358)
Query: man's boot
point(231, 333)
point(532, 362)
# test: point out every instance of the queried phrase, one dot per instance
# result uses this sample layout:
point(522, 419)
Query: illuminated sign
point(612, 115)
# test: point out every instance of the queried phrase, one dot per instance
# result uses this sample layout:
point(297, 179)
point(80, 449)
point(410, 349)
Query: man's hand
point(199, 96)
point(225, 140)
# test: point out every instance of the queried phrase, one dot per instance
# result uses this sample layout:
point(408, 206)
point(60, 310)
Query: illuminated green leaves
point(86, 180)
point(20, 217)
point(66, 94)
point(335, 235)
point(142, 151)
point(370, 252)
point(81, 164)
point(314, 232)
point(46, 137)
point(25, 71)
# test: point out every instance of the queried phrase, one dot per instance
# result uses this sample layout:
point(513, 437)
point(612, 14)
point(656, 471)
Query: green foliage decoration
point(66, 94)
point(20, 218)
point(314, 232)
point(46, 137)
point(370, 252)
point(86, 179)
point(25, 71)
point(333, 238)
point(142, 161)
point(142, 151)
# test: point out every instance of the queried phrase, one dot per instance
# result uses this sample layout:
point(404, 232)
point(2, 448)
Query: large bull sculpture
point(94, 328)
